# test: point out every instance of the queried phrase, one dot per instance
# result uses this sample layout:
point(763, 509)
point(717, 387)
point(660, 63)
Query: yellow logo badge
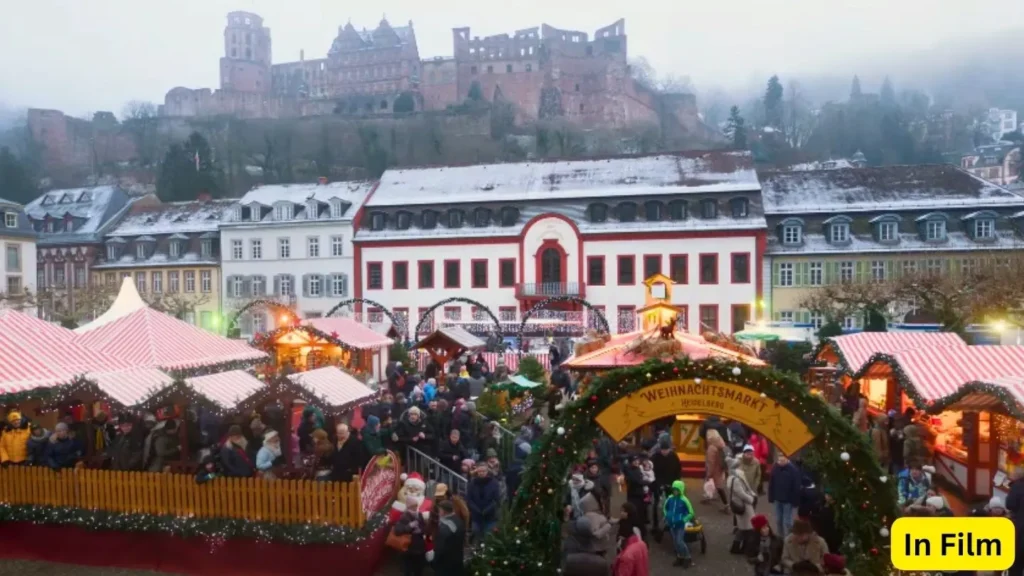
point(950, 544)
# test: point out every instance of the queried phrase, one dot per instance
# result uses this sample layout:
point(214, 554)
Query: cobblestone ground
point(717, 561)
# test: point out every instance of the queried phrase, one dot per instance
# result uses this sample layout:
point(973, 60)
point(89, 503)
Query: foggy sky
point(86, 55)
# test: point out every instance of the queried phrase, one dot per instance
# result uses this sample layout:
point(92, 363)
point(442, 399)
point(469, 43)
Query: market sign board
point(730, 401)
point(379, 482)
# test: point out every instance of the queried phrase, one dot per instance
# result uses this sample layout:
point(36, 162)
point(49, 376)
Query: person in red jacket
point(762, 452)
point(633, 559)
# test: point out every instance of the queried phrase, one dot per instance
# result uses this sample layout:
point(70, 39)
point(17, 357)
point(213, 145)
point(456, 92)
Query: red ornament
point(675, 370)
point(874, 551)
point(560, 451)
point(593, 399)
point(334, 335)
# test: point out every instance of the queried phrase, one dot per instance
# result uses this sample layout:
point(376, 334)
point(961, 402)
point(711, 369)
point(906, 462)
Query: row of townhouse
point(508, 236)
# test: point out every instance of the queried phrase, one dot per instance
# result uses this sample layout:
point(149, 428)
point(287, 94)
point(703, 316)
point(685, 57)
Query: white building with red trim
point(512, 235)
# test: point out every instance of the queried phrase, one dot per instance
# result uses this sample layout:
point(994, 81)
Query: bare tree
point(799, 119)
point(138, 110)
point(176, 304)
point(72, 306)
point(139, 118)
point(837, 301)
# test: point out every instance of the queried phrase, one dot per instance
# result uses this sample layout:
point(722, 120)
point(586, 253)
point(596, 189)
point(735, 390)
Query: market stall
point(447, 343)
point(659, 337)
point(970, 400)
point(335, 341)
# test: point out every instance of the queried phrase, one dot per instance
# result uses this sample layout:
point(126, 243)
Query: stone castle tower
point(245, 66)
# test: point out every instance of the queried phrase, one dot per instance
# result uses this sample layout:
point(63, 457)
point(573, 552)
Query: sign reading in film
point(730, 401)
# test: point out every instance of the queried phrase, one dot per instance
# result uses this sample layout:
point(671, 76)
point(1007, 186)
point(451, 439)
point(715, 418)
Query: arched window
point(739, 207)
point(429, 219)
point(653, 211)
point(677, 210)
point(455, 218)
point(403, 220)
point(481, 217)
point(550, 266)
point(708, 208)
point(378, 221)
point(509, 216)
point(598, 213)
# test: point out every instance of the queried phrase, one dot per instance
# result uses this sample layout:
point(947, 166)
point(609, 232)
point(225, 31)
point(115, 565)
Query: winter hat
point(576, 479)
point(748, 448)
point(373, 422)
point(432, 381)
point(491, 453)
point(834, 564)
point(440, 490)
point(13, 416)
point(480, 465)
point(270, 435)
point(469, 407)
point(664, 441)
point(147, 417)
point(759, 521)
point(997, 502)
point(937, 502)
point(61, 427)
point(468, 462)
point(235, 430)
point(414, 480)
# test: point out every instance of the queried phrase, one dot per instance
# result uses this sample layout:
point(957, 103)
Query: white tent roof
point(127, 301)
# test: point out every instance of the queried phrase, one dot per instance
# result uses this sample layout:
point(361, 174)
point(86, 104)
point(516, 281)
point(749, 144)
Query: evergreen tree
point(15, 183)
point(773, 103)
point(735, 130)
point(888, 94)
point(855, 92)
point(476, 94)
point(188, 170)
point(404, 103)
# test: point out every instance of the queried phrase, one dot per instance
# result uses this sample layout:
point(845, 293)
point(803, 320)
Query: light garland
point(272, 304)
point(54, 396)
point(497, 336)
point(531, 534)
point(397, 322)
point(603, 328)
point(215, 529)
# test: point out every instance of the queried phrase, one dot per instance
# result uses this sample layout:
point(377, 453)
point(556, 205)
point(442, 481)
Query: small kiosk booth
point(660, 336)
point(334, 341)
point(969, 399)
point(448, 343)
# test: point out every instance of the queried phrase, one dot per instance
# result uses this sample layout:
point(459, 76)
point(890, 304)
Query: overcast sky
point(86, 55)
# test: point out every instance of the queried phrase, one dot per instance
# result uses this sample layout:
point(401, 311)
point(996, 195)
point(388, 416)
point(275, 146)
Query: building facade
point(19, 242)
point(172, 252)
point(290, 243)
point(872, 224)
point(71, 225)
point(511, 235)
point(1001, 122)
point(998, 163)
point(542, 72)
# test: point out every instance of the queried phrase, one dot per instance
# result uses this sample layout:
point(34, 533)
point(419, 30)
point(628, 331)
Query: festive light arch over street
point(771, 402)
point(496, 336)
point(543, 304)
point(273, 305)
point(398, 323)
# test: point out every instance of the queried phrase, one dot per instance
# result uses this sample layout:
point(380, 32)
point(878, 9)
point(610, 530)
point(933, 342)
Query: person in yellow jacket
point(14, 440)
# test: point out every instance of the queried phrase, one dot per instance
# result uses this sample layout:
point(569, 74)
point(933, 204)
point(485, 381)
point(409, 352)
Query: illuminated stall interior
point(334, 341)
point(660, 336)
point(447, 343)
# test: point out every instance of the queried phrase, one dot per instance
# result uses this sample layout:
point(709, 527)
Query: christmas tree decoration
point(531, 534)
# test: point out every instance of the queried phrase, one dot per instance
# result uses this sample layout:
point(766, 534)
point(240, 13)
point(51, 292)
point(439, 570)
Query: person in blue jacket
point(64, 450)
point(678, 513)
point(784, 490)
point(483, 498)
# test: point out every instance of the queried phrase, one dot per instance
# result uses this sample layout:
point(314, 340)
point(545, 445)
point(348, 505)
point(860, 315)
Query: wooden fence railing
point(255, 499)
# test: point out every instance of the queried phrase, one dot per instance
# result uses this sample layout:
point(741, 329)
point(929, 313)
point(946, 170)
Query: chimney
point(204, 197)
point(322, 180)
point(302, 55)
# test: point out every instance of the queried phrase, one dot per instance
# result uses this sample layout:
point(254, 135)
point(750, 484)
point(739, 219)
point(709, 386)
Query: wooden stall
point(448, 343)
point(334, 341)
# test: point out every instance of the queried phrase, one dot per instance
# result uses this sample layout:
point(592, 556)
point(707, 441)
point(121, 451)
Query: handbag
point(709, 489)
point(738, 508)
point(400, 543)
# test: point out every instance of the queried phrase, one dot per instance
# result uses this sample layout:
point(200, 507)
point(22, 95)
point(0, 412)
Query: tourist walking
point(784, 488)
point(484, 499)
point(633, 560)
point(448, 556)
point(678, 513)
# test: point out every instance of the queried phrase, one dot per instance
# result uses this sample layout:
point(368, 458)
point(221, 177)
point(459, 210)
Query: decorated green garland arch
point(529, 539)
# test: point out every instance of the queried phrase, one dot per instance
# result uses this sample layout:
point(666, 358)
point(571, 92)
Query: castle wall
point(439, 84)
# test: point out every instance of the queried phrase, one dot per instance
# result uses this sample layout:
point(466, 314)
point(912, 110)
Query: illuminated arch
point(494, 342)
point(272, 305)
point(543, 304)
point(397, 322)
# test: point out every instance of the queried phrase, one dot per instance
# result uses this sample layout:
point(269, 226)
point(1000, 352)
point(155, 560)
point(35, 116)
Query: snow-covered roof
point(661, 174)
point(92, 211)
point(909, 243)
point(575, 211)
point(880, 188)
point(823, 165)
point(173, 218)
point(353, 194)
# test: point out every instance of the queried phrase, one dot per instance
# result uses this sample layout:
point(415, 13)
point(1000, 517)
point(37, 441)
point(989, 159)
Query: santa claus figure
point(413, 489)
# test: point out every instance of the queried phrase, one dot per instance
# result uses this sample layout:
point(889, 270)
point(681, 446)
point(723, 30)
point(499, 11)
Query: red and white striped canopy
point(491, 358)
point(153, 339)
point(858, 348)
point(130, 387)
point(336, 386)
point(226, 388)
point(350, 332)
point(938, 372)
point(39, 354)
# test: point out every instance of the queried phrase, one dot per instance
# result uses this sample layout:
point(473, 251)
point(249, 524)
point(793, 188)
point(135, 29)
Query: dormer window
point(174, 249)
point(403, 220)
point(677, 210)
point(652, 211)
point(206, 248)
point(47, 200)
point(481, 217)
point(236, 213)
point(283, 211)
point(140, 251)
point(791, 231)
point(888, 232)
point(312, 210)
point(85, 197)
point(626, 212)
point(67, 198)
point(509, 216)
point(935, 230)
point(111, 252)
point(337, 208)
point(69, 225)
point(839, 232)
point(984, 229)
point(11, 219)
point(455, 218)
point(378, 220)
point(598, 213)
point(739, 207)
point(708, 209)
point(51, 226)
point(429, 219)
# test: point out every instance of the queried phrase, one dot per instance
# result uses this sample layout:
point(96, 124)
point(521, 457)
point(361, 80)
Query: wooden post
point(892, 395)
point(970, 419)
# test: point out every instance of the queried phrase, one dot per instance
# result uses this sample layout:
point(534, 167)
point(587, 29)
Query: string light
point(543, 304)
point(531, 533)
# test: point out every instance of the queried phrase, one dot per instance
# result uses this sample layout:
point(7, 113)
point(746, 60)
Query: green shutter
point(801, 274)
point(775, 274)
point(858, 271)
point(890, 269)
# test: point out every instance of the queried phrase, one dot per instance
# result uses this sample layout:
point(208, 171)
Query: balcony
point(541, 290)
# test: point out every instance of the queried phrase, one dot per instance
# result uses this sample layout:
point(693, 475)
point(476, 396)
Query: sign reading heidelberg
point(730, 401)
point(379, 482)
